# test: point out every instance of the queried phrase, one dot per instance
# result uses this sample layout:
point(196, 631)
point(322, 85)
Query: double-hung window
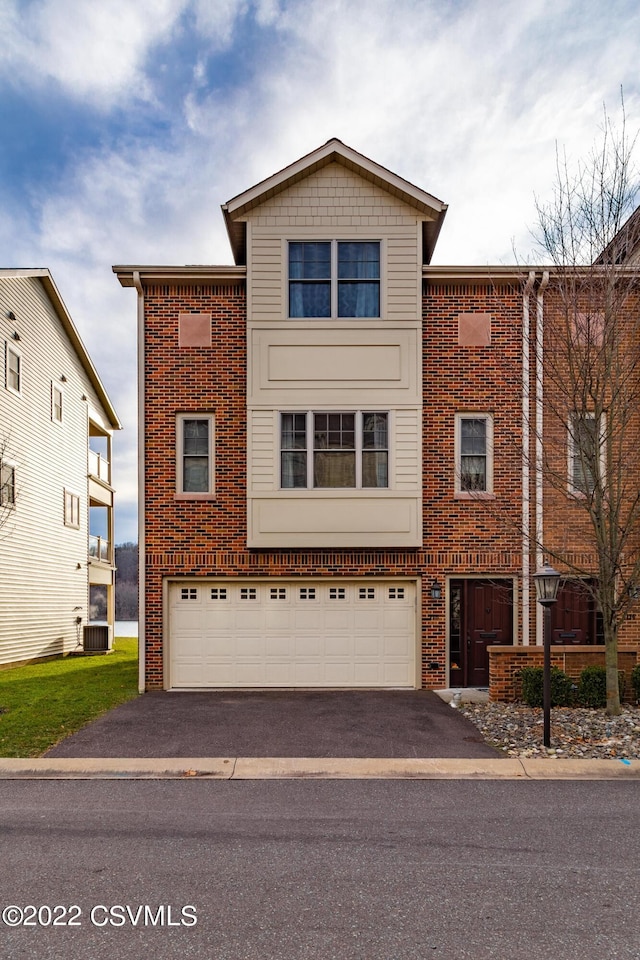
point(584, 453)
point(7, 484)
point(56, 403)
point(474, 462)
point(334, 278)
point(71, 509)
point(13, 369)
point(332, 450)
point(195, 455)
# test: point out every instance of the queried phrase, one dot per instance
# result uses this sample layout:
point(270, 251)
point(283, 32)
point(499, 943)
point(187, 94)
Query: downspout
point(526, 464)
point(141, 489)
point(539, 434)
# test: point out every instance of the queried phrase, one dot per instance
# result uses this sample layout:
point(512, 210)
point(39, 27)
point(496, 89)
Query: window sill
point(194, 496)
point(479, 495)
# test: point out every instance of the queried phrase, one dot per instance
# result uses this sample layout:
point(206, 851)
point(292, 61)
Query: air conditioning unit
point(96, 637)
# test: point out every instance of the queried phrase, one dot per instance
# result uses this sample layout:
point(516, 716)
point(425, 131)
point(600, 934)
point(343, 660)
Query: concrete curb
point(312, 768)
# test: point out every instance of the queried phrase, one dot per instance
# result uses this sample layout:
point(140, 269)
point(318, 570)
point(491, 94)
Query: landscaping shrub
point(562, 688)
point(635, 681)
point(592, 689)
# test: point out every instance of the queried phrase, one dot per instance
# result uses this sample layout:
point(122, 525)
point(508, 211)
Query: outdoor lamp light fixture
point(546, 581)
point(436, 590)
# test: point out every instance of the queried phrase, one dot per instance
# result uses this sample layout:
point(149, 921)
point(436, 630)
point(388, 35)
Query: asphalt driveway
point(280, 723)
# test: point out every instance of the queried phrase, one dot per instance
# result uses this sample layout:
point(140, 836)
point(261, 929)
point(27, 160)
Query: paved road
point(347, 870)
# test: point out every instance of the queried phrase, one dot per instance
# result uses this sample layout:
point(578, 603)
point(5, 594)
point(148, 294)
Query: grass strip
point(41, 703)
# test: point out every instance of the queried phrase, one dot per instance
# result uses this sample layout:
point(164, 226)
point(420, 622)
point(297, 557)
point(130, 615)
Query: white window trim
point(571, 450)
point(460, 492)
point(8, 504)
point(334, 275)
point(309, 427)
point(68, 517)
point(56, 387)
point(180, 493)
point(10, 348)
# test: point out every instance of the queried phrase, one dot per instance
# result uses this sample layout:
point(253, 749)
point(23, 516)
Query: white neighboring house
point(56, 499)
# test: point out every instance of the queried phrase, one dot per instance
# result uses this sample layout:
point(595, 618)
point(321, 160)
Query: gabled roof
point(625, 246)
point(44, 275)
point(333, 151)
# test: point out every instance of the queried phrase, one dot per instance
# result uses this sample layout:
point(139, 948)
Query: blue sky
point(126, 123)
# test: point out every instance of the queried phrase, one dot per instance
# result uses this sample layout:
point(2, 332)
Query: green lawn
point(41, 703)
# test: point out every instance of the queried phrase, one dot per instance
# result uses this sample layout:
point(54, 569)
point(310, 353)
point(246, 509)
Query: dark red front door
point(481, 615)
point(573, 615)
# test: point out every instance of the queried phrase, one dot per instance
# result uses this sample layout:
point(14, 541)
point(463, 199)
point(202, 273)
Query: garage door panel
point(278, 647)
point(308, 646)
point(395, 675)
point(250, 646)
point(393, 647)
point(334, 633)
point(277, 618)
point(192, 646)
point(249, 619)
point(339, 646)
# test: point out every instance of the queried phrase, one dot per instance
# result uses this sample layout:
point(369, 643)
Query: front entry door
point(481, 615)
point(573, 617)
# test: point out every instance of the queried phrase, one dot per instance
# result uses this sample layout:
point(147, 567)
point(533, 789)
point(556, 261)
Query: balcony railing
point(99, 467)
point(99, 549)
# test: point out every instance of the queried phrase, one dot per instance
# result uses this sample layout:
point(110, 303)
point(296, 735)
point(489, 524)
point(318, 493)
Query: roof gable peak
point(431, 209)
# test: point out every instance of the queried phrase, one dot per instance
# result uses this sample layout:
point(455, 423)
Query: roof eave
point(193, 272)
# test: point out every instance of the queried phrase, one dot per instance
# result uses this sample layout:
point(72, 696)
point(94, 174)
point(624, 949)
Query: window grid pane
point(293, 446)
point(473, 454)
point(347, 450)
point(310, 279)
point(195, 456)
point(585, 452)
point(358, 279)
point(7, 485)
point(13, 370)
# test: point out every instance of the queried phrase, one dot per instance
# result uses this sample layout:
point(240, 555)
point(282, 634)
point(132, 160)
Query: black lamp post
point(546, 580)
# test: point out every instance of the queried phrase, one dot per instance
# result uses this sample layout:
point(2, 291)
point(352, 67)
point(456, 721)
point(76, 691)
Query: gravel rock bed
point(577, 732)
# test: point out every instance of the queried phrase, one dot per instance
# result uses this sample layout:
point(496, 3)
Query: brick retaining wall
point(505, 664)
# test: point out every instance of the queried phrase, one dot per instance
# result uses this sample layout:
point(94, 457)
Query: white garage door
point(330, 633)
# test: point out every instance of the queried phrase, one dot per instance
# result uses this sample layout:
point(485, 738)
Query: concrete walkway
point(318, 768)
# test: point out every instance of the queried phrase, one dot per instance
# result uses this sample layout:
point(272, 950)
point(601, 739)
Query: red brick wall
point(209, 537)
point(505, 664)
point(472, 536)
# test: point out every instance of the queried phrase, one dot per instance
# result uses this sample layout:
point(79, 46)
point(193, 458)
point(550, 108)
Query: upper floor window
point(13, 369)
point(195, 454)
point(331, 450)
point(474, 462)
point(334, 278)
point(584, 453)
point(7, 484)
point(56, 403)
point(71, 509)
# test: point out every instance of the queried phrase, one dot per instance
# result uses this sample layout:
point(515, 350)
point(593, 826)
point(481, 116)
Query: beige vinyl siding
point(406, 462)
point(334, 203)
point(263, 450)
point(43, 563)
point(404, 455)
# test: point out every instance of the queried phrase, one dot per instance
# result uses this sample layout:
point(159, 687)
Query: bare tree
point(589, 359)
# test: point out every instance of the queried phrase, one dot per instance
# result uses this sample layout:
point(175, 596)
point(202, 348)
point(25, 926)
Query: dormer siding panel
point(333, 203)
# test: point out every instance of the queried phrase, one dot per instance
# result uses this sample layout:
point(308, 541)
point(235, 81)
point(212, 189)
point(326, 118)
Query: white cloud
point(94, 51)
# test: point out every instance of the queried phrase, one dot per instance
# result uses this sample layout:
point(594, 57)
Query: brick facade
point(476, 330)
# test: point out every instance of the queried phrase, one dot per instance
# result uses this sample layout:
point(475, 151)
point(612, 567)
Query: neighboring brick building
point(332, 467)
